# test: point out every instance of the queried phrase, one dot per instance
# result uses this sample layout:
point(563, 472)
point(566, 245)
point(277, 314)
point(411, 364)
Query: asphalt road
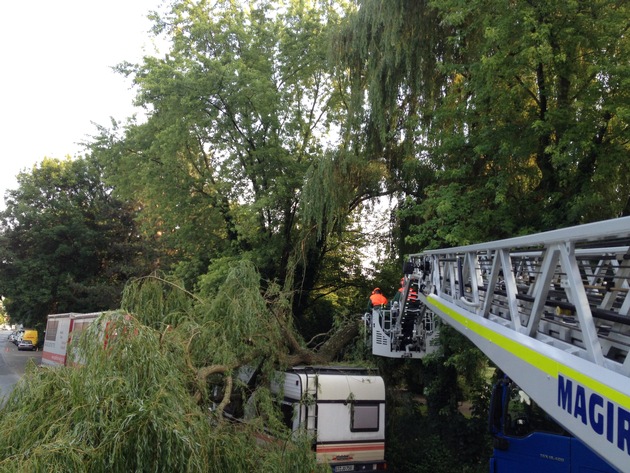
point(13, 363)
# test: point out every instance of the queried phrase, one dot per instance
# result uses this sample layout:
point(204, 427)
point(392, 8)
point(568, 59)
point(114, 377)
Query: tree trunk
point(329, 351)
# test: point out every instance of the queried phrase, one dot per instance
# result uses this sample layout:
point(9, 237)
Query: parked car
point(32, 335)
point(27, 345)
point(18, 337)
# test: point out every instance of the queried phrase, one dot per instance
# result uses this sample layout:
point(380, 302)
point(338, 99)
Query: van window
point(364, 417)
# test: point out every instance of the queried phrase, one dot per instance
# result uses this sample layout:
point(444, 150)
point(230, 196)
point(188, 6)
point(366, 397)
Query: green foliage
point(537, 107)
point(129, 407)
point(248, 326)
point(456, 372)
point(3, 313)
point(234, 159)
point(157, 302)
point(231, 326)
point(416, 443)
point(514, 113)
point(64, 230)
point(125, 409)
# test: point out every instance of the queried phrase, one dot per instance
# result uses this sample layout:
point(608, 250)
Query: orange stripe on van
point(360, 447)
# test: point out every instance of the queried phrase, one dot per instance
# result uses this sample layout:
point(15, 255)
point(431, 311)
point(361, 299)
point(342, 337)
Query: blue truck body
point(527, 440)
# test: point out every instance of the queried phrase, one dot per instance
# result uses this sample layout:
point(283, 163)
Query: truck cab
point(526, 439)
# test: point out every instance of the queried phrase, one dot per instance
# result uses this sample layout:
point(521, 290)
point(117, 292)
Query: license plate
point(344, 468)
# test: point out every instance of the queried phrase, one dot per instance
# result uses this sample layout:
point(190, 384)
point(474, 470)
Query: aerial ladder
point(551, 310)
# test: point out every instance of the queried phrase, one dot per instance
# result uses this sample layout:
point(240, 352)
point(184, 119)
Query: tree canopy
point(66, 244)
point(514, 112)
point(244, 112)
point(272, 128)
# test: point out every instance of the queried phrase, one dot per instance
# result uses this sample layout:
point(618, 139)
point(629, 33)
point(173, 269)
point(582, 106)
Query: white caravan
point(343, 408)
point(60, 328)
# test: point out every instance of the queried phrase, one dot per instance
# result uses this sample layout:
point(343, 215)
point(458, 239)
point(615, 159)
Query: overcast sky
point(56, 76)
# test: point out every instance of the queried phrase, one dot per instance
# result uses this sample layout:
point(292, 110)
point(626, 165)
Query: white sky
point(56, 76)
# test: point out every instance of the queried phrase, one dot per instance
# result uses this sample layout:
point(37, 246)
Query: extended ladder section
point(551, 310)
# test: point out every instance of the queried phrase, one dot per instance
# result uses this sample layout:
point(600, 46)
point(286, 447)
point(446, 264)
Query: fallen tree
point(142, 399)
point(241, 322)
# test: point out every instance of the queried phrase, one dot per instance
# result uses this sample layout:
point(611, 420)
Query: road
point(13, 363)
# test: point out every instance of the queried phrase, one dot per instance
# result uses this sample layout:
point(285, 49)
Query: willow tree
point(142, 398)
point(516, 109)
point(153, 380)
point(243, 117)
point(392, 53)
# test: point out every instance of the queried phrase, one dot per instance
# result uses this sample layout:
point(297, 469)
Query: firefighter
point(376, 298)
point(398, 295)
point(412, 295)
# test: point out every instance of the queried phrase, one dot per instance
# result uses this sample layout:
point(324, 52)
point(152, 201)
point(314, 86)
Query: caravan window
point(80, 326)
point(51, 330)
point(364, 417)
point(287, 414)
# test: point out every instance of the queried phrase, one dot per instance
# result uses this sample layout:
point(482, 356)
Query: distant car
point(27, 345)
point(18, 337)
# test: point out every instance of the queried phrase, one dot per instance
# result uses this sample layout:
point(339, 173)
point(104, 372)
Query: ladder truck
point(552, 311)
